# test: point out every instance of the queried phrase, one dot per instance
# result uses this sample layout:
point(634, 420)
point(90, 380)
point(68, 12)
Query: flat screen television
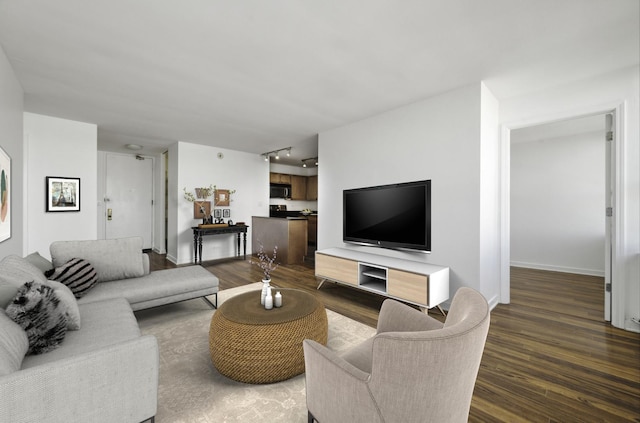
point(394, 216)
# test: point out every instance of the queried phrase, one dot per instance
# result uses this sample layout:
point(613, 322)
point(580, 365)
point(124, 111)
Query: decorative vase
point(265, 286)
point(268, 300)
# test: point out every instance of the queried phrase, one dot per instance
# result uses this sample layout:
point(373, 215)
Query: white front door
point(129, 197)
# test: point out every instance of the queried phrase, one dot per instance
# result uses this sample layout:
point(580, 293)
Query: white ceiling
point(258, 75)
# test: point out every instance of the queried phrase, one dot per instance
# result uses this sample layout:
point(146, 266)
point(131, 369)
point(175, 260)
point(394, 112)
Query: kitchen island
point(288, 233)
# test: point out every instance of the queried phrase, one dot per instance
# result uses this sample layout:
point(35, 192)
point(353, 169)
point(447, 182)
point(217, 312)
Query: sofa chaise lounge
point(105, 370)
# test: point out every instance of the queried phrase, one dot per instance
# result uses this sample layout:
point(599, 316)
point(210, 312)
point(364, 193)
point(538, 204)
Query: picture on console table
point(63, 194)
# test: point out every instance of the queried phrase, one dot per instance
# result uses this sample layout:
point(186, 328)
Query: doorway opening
point(559, 192)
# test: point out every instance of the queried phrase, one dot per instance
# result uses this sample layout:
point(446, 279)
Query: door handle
point(109, 214)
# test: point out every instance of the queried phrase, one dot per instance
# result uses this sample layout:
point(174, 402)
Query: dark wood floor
point(549, 356)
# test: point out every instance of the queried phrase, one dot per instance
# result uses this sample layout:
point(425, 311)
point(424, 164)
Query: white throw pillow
point(69, 300)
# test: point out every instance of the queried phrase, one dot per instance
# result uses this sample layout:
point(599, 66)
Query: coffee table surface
point(246, 308)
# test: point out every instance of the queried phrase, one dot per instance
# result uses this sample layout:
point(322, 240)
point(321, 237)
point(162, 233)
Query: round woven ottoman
point(253, 345)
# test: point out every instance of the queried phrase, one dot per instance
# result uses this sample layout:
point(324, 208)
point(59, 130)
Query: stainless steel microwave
point(279, 191)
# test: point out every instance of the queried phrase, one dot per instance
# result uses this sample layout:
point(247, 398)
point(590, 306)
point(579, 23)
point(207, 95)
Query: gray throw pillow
point(13, 345)
point(40, 262)
point(7, 292)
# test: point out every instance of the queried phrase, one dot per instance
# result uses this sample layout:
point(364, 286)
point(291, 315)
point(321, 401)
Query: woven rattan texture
point(264, 353)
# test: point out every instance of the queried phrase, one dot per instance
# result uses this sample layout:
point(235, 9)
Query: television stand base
point(422, 284)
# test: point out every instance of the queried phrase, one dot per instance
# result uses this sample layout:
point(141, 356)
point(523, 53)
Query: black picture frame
point(226, 213)
point(62, 194)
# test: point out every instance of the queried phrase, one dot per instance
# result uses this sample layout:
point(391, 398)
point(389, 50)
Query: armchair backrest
point(430, 375)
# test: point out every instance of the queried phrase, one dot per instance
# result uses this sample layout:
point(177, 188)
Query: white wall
point(11, 106)
point(195, 166)
point(558, 203)
point(489, 220)
point(620, 89)
point(63, 148)
point(439, 139)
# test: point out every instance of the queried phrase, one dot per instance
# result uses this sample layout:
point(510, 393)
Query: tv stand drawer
point(408, 286)
point(337, 269)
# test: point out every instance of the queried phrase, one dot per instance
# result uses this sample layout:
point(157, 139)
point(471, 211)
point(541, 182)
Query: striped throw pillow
point(78, 274)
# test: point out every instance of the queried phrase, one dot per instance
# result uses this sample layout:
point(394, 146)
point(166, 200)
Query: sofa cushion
point(15, 271)
point(78, 274)
point(40, 262)
point(157, 288)
point(69, 301)
point(39, 311)
point(13, 345)
point(113, 259)
point(104, 323)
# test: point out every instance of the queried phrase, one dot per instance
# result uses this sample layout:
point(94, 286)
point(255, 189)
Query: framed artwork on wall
point(221, 197)
point(201, 209)
point(63, 194)
point(5, 195)
point(226, 213)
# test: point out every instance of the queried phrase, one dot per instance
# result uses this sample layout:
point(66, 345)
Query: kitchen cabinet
point(312, 188)
point(290, 235)
point(298, 187)
point(312, 229)
point(279, 178)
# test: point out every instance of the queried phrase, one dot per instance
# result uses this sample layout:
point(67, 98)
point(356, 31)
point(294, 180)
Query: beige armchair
point(415, 369)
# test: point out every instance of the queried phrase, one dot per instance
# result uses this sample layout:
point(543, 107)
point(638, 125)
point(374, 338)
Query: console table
point(422, 284)
point(198, 233)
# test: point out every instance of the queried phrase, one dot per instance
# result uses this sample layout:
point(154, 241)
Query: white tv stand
point(422, 284)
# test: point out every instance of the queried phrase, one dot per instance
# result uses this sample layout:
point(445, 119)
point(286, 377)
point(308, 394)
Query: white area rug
point(192, 390)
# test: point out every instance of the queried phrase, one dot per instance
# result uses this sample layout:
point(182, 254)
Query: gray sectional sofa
point(105, 370)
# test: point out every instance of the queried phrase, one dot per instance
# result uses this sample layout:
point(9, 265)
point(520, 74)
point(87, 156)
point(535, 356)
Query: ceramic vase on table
point(265, 286)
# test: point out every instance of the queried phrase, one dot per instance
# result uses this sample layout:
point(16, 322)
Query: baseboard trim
point(553, 268)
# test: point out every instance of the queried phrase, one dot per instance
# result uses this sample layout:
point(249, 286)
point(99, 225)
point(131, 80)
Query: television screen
point(389, 216)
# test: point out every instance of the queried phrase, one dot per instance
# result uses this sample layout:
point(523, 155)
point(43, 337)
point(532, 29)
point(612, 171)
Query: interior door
point(129, 197)
point(609, 212)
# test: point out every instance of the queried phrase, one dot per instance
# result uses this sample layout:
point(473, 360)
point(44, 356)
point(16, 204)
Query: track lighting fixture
point(304, 161)
point(276, 153)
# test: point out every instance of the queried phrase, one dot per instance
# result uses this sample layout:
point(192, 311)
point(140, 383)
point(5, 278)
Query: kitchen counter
point(288, 233)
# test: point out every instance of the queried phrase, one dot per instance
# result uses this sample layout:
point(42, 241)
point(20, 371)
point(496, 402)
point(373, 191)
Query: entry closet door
point(129, 197)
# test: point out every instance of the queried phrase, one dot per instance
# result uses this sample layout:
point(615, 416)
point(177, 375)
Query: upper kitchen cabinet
point(312, 187)
point(298, 187)
point(279, 178)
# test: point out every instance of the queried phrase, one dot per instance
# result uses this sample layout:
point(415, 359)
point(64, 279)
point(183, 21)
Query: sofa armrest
point(114, 384)
point(336, 390)
point(398, 317)
point(146, 266)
